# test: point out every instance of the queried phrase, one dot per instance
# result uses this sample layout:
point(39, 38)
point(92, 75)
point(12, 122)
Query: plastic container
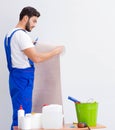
point(52, 117)
point(87, 113)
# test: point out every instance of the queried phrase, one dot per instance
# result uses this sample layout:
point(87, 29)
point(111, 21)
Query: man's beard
point(27, 27)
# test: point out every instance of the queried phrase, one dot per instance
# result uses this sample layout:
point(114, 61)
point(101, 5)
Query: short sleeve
point(23, 40)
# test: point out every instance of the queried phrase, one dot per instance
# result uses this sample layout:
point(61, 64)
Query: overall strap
point(7, 42)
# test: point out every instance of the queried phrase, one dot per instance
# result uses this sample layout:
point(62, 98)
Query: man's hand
point(58, 50)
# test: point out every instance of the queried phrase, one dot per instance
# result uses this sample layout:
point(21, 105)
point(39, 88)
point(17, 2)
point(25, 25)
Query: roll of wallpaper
point(36, 121)
point(47, 84)
point(25, 123)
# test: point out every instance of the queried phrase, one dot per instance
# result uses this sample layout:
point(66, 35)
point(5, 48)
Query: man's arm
point(40, 57)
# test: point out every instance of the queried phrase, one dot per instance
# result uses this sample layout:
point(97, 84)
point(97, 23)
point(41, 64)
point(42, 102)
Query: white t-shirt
point(20, 41)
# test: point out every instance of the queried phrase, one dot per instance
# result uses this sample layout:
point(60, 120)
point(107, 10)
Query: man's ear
point(26, 18)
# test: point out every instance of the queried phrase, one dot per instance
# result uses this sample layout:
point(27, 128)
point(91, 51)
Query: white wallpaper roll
point(47, 85)
point(25, 123)
point(36, 121)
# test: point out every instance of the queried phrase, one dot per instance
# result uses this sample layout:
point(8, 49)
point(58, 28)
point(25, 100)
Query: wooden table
point(68, 127)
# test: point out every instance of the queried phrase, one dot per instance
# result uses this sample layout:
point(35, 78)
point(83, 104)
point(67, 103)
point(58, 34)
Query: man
point(20, 54)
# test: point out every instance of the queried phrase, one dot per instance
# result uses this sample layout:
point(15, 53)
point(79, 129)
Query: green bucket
point(87, 113)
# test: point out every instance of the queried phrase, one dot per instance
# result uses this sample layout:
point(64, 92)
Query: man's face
point(31, 23)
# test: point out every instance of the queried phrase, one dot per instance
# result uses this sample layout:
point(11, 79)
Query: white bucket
point(52, 117)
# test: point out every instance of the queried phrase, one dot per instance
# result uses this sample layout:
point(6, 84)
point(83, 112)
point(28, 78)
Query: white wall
point(87, 29)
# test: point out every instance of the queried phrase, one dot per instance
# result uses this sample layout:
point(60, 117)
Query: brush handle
point(35, 40)
point(73, 99)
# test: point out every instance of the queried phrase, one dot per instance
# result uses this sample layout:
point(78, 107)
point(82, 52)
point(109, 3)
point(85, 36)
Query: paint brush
point(73, 99)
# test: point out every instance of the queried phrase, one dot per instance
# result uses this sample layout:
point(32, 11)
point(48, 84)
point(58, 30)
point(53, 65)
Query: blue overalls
point(20, 83)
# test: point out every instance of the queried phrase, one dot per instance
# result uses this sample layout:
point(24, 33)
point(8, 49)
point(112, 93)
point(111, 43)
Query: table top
point(70, 127)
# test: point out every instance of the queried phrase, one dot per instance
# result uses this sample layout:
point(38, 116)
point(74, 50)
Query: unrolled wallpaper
point(47, 84)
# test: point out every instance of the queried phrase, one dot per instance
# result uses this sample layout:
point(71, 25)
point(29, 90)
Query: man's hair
point(29, 11)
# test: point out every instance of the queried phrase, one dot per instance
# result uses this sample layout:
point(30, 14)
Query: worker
point(21, 55)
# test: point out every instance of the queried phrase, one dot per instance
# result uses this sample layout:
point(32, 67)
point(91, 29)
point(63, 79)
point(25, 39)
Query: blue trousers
point(21, 87)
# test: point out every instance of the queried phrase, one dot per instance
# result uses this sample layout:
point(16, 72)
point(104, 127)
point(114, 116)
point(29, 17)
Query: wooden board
point(68, 127)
